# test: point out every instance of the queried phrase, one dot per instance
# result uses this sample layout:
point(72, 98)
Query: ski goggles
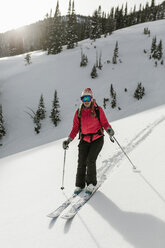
point(86, 98)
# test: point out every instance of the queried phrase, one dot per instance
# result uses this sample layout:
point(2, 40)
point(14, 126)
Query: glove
point(66, 143)
point(110, 131)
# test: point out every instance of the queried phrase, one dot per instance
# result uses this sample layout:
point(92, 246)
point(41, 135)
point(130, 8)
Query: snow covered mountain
point(21, 86)
point(128, 210)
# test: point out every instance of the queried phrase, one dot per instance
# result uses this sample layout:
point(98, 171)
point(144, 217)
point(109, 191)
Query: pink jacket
point(89, 124)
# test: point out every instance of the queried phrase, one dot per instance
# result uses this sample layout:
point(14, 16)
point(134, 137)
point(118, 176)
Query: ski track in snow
point(137, 140)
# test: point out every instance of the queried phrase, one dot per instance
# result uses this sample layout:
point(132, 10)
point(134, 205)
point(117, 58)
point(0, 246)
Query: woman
point(89, 121)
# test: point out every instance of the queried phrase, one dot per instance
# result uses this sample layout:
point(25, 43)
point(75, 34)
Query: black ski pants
point(88, 153)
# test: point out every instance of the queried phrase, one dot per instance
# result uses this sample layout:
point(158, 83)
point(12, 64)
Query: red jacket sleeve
point(75, 128)
point(103, 119)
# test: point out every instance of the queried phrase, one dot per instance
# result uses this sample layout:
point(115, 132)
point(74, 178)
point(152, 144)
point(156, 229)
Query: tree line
point(55, 30)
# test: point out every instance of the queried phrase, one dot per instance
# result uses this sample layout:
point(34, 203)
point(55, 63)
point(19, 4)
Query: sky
point(17, 13)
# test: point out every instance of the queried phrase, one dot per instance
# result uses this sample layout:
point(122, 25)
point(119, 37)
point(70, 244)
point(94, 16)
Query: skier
point(89, 120)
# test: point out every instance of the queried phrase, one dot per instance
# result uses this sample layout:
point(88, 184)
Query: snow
point(128, 210)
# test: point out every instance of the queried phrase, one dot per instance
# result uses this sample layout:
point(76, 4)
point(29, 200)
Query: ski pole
point(134, 167)
point(62, 187)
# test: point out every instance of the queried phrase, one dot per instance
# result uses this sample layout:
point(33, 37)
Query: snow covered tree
point(113, 102)
point(105, 100)
point(115, 54)
point(84, 59)
point(147, 31)
point(2, 128)
point(95, 27)
point(55, 33)
point(28, 59)
point(71, 35)
point(154, 48)
point(139, 92)
point(55, 113)
point(111, 90)
point(41, 109)
point(94, 72)
point(37, 122)
point(159, 50)
point(113, 96)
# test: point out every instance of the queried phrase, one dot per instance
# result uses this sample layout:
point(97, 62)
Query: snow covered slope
point(127, 211)
point(21, 86)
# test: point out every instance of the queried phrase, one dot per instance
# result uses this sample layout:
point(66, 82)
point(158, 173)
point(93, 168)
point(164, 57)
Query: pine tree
point(113, 102)
point(84, 59)
point(159, 50)
point(37, 122)
point(28, 59)
point(113, 96)
point(2, 128)
point(105, 100)
point(110, 24)
point(100, 63)
point(55, 113)
point(55, 33)
point(153, 47)
point(41, 109)
point(94, 72)
point(95, 27)
point(115, 54)
point(71, 35)
point(111, 90)
point(139, 92)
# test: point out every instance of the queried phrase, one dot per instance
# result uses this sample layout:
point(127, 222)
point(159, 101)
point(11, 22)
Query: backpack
point(100, 131)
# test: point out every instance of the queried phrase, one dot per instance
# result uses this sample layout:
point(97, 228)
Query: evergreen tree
point(125, 15)
point(55, 113)
point(159, 50)
point(152, 11)
point(119, 18)
point(2, 128)
point(100, 63)
point(115, 54)
point(49, 31)
point(94, 72)
point(87, 28)
point(110, 24)
point(105, 100)
point(113, 102)
point(113, 96)
point(71, 35)
point(111, 90)
point(28, 59)
point(37, 122)
point(139, 92)
point(41, 109)
point(153, 47)
point(55, 33)
point(84, 59)
point(95, 27)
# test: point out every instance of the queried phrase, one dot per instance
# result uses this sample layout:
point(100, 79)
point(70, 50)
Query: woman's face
point(87, 104)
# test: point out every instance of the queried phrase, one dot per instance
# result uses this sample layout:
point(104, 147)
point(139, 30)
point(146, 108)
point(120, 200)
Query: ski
point(76, 206)
point(63, 206)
